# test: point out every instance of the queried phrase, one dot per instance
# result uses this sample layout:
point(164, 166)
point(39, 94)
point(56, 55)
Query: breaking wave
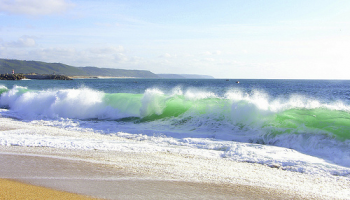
point(298, 122)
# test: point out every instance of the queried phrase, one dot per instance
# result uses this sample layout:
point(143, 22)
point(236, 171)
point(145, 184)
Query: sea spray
point(196, 117)
point(153, 102)
point(3, 89)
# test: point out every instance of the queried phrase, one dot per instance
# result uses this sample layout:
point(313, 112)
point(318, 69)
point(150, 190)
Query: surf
point(296, 121)
point(235, 109)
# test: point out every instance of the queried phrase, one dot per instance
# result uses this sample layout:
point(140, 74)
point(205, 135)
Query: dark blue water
point(322, 90)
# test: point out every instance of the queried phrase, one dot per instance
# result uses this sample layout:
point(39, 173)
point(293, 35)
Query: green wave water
point(225, 112)
point(190, 111)
point(312, 117)
point(336, 123)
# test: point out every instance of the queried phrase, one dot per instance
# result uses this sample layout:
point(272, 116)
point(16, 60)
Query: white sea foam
point(187, 159)
point(85, 103)
point(153, 102)
point(2, 87)
point(80, 103)
point(207, 128)
point(196, 94)
point(287, 159)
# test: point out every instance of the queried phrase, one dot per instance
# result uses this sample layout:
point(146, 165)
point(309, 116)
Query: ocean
point(295, 125)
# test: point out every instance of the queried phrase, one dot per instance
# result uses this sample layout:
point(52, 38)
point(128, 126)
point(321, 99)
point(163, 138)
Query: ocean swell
point(297, 122)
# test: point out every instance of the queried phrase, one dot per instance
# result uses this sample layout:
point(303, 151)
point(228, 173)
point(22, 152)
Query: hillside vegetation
point(26, 67)
point(95, 71)
point(185, 76)
point(38, 67)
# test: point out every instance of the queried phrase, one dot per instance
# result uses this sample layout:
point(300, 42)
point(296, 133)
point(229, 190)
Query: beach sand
point(106, 181)
point(16, 190)
point(154, 175)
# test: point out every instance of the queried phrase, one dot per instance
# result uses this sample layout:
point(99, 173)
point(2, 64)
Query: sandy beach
point(154, 175)
point(74, 175)
point(17, 190)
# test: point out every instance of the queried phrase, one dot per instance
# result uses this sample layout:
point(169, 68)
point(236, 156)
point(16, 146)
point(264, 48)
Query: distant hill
point(171, 76)
point(26, 67)
point(185, 76)
point(197, 76)
point(38, 67)
point(95, 71)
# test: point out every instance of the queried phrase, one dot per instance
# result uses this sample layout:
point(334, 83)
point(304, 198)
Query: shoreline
point(101, 77)
point(154, 174)
point(77, 175)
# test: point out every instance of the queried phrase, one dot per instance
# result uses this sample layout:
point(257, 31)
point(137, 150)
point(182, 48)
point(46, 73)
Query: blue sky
point(226, 39)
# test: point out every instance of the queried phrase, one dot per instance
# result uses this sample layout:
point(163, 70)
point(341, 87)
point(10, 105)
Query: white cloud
point(34, 7)
point(27, 42)
point(121, 57)
point(24, 41)
point(209, 53)
point(107, 50)
point(168, 55)
point(209, 59)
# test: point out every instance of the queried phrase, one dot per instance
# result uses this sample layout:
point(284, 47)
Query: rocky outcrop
point(48, 76)
point(36, 76)
point(11, 76)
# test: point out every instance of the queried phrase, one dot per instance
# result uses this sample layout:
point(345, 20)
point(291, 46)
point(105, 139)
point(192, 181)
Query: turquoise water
point(311, 116)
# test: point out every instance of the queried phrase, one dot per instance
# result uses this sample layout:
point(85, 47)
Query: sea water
point(296, 125)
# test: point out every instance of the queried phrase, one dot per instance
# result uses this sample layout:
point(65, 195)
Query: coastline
point(101, 77)
point(68, 171)
point(155, 174)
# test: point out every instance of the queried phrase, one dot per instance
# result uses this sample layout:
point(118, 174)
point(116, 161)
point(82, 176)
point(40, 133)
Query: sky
point(243, 39)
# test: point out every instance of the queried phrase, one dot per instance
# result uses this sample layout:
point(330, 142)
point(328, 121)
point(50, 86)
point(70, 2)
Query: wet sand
point(104, 181)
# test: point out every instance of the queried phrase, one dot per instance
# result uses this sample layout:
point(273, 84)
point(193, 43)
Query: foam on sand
point(164, 164)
